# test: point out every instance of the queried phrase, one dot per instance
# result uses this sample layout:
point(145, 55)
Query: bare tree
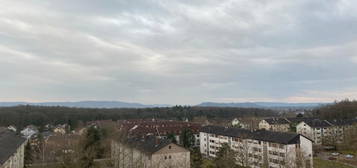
point(243, 153)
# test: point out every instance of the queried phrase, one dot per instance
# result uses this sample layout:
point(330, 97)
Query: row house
point(12, 149)
point(275, 124)
point(149, 152)
point(259, 148)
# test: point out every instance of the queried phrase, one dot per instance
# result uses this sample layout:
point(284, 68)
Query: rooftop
point(277, 121)
point(149, 144)
point(342, 122)
point(9, 142)
point(317, 123)
point(157, 127)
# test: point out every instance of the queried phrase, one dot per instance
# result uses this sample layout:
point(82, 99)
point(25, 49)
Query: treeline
point(346, 109)
point(21, 116)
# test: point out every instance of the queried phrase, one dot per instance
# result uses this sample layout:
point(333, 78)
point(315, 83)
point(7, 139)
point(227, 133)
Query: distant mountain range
point(120, 104)
point(86, 104)
point(272, 105)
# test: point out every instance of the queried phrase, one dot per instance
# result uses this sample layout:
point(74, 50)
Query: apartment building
point(340, 127)
point(12, 149)
point(275, 124)
point(259, 148)
point(149, 152)
point(325, 132)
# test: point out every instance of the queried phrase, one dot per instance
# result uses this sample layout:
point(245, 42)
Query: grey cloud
point(178, 52)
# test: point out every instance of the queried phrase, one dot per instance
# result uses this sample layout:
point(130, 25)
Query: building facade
point(12, 148)
point(275, 124)
point(325, 132)
point(149, 153)
point(260, 148)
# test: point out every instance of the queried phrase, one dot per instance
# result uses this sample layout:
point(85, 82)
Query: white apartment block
point(324, 132)
point(260, 148)
point(12, 148)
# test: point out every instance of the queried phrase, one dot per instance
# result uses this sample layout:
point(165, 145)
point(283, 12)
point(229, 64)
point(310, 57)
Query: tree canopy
point(21, 116)
point(346, 109)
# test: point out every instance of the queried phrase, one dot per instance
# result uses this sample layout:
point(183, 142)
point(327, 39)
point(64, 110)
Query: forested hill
point(345, 109)
point(41, 115)
point(86, 104)
point(267, 105)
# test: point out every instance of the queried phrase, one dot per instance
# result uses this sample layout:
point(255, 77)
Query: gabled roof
point(262, 135)
point(9, 143)
point(317, 123)
point(276, 121)
point(157, 127)
point(342, 122)
point(297, 120)
point(149, 145)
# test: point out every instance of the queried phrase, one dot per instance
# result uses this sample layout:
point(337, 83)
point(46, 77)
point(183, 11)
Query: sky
point(178, 51)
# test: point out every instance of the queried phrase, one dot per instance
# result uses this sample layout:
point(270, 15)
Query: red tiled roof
point(155, 127)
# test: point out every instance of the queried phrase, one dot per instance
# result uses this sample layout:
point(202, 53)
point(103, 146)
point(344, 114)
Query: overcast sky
point(178, 51)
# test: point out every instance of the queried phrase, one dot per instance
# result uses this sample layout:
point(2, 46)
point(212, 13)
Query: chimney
point(157, 140)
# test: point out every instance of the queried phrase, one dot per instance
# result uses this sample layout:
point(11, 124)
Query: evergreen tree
point(91, 148)
point(187, 138)
point(172, 137)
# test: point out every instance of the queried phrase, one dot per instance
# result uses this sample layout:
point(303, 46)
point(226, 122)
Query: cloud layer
point(178, 51)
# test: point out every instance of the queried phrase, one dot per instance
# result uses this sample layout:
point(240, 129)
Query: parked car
point(335, 154)
point(331, 158)
point(349, 156)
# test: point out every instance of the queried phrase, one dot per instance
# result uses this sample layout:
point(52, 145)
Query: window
point(282, 154)
point(165, 157)
point(282, 162)
point(169, 156)
point(170, 147)
point(281, 146)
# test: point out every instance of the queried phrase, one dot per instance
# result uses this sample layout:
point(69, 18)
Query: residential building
point(149, 152)
point(339, 129)
point(316, 130)
point(12, 149)
point(239, 123)
point(259, 148)
point(325, 132)
point(29, 131)
point(159, 128)
point(61, 129)
point(275, 124)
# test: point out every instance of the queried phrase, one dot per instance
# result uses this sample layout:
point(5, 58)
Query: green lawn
point(318, 163)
